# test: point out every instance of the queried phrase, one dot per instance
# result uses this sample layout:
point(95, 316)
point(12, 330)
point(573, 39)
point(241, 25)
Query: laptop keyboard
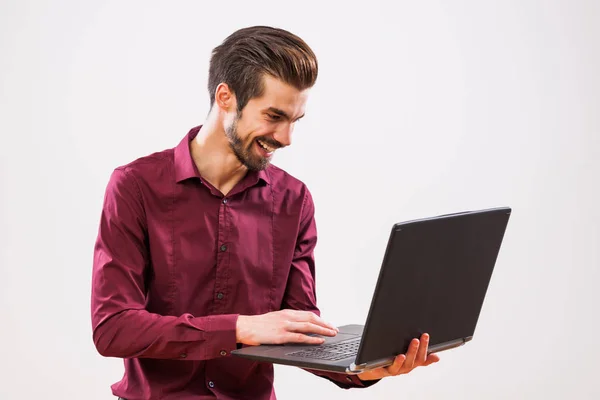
point(330, 352)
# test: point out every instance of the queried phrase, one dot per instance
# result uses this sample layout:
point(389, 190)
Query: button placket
point(219, 302)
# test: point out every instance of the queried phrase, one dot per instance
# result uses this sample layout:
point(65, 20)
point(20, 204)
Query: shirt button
point(223, 248)
point(223, 353)
point(211, 384)
point(183, 355)
point(220, 296)
point(349, 379)
point(224, 201)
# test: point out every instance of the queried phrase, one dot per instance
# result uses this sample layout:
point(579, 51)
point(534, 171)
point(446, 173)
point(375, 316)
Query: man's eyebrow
point(282, 113)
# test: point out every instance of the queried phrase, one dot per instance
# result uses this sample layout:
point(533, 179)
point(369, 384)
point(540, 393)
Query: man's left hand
point(416, 356)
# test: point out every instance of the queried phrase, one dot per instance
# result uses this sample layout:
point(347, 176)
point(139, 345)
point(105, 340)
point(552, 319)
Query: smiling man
point(207, 246)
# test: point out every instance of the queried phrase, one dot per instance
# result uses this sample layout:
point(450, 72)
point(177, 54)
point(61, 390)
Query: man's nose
point(284, 135)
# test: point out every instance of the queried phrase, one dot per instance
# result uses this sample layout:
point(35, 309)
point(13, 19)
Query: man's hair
point(248, 54)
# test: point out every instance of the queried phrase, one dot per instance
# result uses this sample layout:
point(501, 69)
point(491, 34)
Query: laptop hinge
point(357, 369)
point(448, 345)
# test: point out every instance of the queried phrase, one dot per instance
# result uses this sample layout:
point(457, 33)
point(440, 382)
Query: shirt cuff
point(221, 335)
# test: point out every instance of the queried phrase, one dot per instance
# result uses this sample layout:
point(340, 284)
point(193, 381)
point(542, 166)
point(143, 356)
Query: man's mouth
point(265, 146)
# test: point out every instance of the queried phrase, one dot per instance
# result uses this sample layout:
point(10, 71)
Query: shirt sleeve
point(301, 289)
point(121, 325)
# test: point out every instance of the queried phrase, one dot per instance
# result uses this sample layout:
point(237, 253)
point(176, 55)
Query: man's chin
point(258, 163)
point(256, 167)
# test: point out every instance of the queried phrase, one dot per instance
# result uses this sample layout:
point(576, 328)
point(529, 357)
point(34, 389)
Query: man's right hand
point(285, 326)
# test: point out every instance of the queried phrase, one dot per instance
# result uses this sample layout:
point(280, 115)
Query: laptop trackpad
point(340, 337)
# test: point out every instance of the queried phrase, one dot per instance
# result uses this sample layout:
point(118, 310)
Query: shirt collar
point(185, 168)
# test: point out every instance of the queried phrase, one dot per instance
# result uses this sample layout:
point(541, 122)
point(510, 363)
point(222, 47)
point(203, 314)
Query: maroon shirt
point(176, 262)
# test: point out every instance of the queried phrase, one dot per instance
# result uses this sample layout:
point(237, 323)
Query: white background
point(421, 108)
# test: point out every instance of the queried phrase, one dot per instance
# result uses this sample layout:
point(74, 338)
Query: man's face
point(266, 123)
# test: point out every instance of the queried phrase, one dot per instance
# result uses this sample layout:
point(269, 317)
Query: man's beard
point(245, 152)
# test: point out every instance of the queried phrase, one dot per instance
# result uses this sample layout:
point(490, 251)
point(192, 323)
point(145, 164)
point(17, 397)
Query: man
point(207, 247)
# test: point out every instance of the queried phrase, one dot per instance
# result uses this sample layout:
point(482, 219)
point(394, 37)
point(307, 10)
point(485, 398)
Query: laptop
point(433, 279)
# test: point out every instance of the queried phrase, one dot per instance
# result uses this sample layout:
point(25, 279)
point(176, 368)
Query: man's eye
point(274, 117)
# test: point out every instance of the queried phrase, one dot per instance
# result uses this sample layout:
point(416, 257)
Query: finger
point(308, 316)
point(308, 327)
point(431, 359)
point(421, 356)
point(374, 374)
point(315, 319)
point(295, 337)
point(411, 354)
point(396, 367)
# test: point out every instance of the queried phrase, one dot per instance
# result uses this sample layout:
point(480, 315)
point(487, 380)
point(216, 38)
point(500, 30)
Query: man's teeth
point(265, 146)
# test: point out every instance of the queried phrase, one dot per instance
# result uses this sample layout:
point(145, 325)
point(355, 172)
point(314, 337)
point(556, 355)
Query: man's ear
point(225, 98)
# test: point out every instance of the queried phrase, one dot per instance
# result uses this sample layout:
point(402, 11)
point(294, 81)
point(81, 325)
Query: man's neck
point(214, 158)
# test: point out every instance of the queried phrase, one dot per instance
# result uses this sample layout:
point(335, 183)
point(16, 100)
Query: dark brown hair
point(248, 54)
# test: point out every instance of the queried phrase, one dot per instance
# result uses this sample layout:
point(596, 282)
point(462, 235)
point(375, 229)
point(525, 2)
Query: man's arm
point(300, 291)
point(121, 325)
